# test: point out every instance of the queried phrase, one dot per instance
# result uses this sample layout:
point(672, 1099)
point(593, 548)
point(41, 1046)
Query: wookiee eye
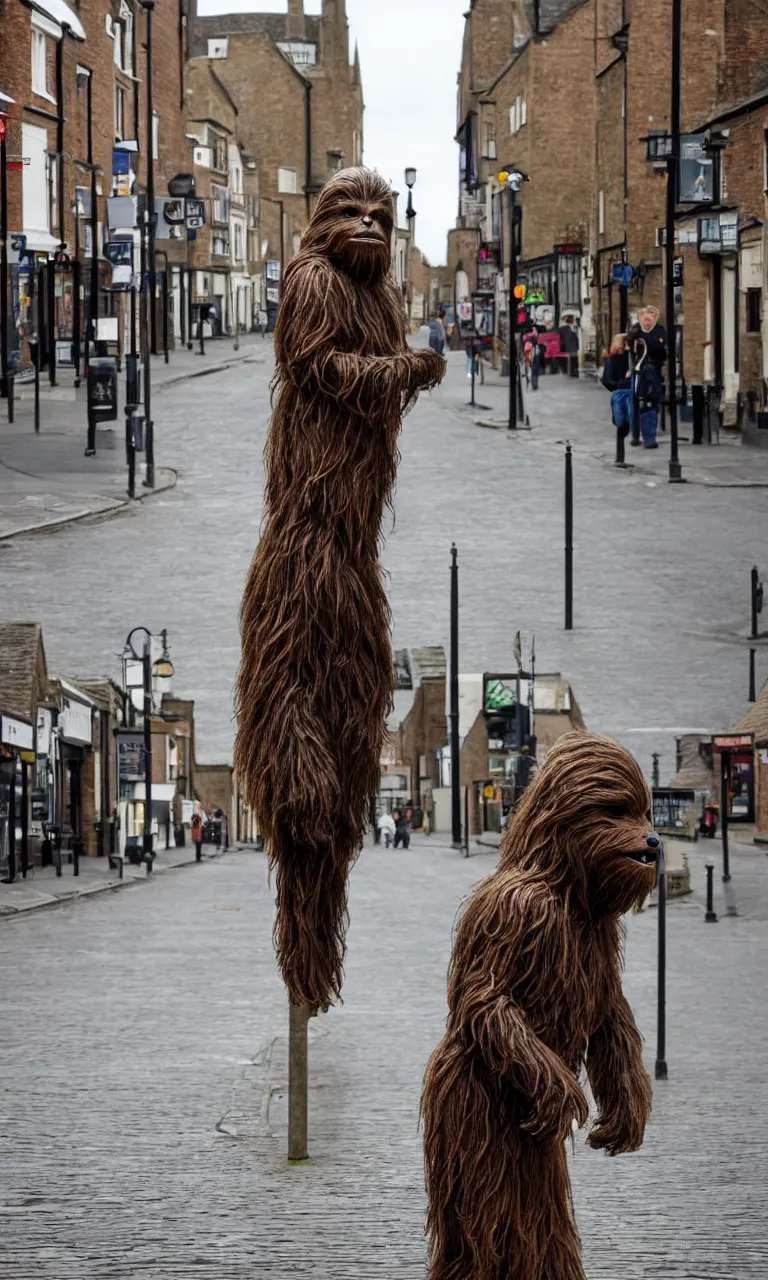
point(349, 212)
point(616, 810)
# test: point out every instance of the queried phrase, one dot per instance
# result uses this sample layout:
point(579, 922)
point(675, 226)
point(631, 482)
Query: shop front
point(74, 800)
point(16, 753)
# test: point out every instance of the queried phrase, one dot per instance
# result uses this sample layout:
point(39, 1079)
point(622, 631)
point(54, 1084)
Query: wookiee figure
point(534, 991)
point(316, 674)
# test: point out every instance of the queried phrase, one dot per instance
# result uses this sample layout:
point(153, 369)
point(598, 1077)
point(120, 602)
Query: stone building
point(300, 110)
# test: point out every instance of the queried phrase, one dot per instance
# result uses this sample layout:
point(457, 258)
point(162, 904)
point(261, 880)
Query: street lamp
point(410, 217)
point(162, 669)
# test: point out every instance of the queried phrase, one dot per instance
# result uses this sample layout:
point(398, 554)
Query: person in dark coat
point(402, 829)
point(650, 344)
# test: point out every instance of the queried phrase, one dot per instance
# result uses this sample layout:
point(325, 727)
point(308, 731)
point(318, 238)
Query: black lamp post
point(513, 179)
point(410, 217)
point(162, 669)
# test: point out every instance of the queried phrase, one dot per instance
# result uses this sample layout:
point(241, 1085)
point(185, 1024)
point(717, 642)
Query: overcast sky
point(410, 51)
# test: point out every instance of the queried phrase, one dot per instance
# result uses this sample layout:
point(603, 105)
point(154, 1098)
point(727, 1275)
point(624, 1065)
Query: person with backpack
point(649, 339)
point(617, 378)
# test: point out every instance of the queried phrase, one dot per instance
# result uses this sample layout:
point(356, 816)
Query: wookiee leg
point(620, 1083)
point(561, 1256)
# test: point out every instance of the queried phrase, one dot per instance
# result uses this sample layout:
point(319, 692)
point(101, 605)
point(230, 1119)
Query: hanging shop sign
point(119, 252)
point(697, 171)
point(130, 757)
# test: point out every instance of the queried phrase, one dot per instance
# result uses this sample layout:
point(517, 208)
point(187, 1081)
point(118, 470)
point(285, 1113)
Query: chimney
point(295, 28)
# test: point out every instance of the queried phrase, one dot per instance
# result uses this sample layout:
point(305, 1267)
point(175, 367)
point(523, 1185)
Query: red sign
point(549, 339)
point(2, 131)
point(733, 742)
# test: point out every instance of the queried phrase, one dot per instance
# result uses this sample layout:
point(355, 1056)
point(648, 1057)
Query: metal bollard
point(711, 916)
point(298, 1082)
point(568, 539)
point(661, 1071)
point(77, 850)
point(752, 686)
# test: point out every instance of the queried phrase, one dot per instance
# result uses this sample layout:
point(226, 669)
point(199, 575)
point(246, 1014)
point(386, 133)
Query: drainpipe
point(308, 145)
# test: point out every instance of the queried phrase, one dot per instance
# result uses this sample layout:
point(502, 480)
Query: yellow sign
point(488, 792)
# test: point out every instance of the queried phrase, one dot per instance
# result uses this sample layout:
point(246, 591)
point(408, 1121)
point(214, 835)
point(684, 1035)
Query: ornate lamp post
point(162, 669)
point(410, 217)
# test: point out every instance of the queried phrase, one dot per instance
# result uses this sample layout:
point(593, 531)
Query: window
point(218, 48)
point(119, 113)
point(253, 211)
point(40, 83)
point(220, 246)
point(219, 148)
point(523, 113)
point(117, 44)
point(754, 310)
point(238, 242)
point(357, 147)
point(53, 190)
point(155, 134)
point(601, 213)
point(220, 203)
point(286, 182)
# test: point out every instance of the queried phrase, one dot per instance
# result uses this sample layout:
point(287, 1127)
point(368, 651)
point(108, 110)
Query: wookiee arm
point(620, 1083)
point(498, 936)
point(307, 348)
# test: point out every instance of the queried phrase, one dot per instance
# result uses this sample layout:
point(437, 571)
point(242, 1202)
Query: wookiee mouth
point(370, 238)
point(645, 856)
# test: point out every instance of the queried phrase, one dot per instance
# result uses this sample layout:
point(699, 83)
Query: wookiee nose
point(652, 842)
point(367, 221)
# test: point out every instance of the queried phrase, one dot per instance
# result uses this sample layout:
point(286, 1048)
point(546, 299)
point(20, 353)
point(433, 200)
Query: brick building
point(78, 83)
point(569, 93)
point(300, 111)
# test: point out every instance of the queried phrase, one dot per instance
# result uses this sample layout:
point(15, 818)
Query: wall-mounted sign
point(732, 742)
point(75, 722)
point(130, 757)
point(16, 733)
point(696, 178)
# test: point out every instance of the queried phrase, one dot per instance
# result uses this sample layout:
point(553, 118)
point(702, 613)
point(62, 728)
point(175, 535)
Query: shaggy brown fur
point(316, 675)
point(534, 991)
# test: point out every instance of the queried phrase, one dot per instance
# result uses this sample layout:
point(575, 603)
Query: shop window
point(286, 181)
point(754, 310)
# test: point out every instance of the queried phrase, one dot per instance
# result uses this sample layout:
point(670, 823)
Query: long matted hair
point(316, 674)
point(534, 990)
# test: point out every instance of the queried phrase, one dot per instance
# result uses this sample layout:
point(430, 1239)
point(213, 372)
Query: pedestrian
point(617, 379)
point(218, 825)
point(569, 345)
point(263, 322)
point(532, 355)
point(385, 825)
point(402, 829)
point(650, 347)
point(437, 336)
point(196, 832)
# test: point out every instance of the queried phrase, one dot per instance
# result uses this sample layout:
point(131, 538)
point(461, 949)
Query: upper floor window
point(286, 181)
point(40, 61)
point(220, 204)
point(218, 48)
point(219, 149)
point(122, 36)
point(518, 114)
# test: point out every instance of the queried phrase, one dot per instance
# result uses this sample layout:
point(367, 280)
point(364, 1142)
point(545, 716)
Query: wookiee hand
point(430, 368)
point(625, 1129)
point(556, 1108)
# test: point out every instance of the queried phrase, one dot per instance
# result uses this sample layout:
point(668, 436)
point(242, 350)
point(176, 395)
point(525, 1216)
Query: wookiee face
point(592, 796)
point(352, 224)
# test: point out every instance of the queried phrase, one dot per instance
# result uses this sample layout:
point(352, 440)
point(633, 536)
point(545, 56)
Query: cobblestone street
point(144, 1067)
point(661, 572)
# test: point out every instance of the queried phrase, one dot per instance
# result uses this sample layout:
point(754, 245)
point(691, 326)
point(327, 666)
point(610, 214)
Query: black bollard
point(621, 435)
point(661, 1019)
point(77, 850)
point(568, 539)
point(711, 916)
point(454, 705)
point(752, 688)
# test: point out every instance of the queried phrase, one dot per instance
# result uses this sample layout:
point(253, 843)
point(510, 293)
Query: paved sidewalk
point(45, 479)
point(43, 888)
point(579, 410)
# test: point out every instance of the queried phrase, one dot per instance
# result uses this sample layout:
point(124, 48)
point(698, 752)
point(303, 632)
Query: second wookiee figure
point(316, 674)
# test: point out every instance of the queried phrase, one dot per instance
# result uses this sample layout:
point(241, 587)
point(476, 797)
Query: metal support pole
point(298, 1081)
point(130, 450)
point(725, 800)
point(36, 285)
point(711, 915)
point(472, 370)
point(182, 299)
point(454, 702)
point(675, 469)
point(568, 539)
point(752, 688)
point(512, 425)
point(661, 1021)
point(148, 6)
point(147, 717)
point(24, 824)
point(50, 317)
point(149, 430)
point(466, 822)
point(12, 823)
point(165, 311)
point(76, 277)
point(755, 588)
point(93, 308)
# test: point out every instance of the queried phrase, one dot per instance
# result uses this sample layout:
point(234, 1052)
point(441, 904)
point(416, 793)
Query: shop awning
point(5, 101)
point(41, 242)
point(162, 792)
point(60, 13)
